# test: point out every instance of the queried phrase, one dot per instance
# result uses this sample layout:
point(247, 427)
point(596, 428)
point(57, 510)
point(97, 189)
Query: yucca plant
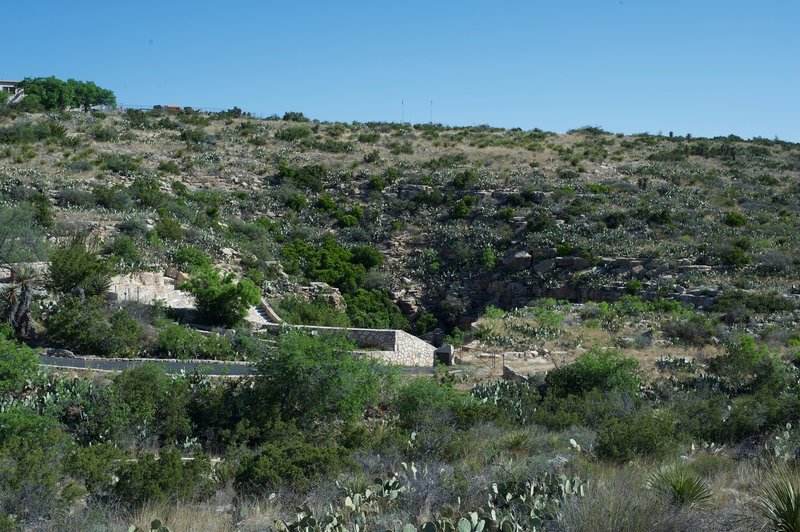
point(680, 486)
point(778, 499)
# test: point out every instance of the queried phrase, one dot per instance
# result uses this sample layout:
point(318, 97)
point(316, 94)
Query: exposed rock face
point(518, 260)
point(576, 279)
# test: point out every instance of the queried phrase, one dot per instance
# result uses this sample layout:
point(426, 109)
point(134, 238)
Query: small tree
point(313, 378)
point(220, 300)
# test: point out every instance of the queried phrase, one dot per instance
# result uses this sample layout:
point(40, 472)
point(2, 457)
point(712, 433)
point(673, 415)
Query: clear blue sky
point(706, 67)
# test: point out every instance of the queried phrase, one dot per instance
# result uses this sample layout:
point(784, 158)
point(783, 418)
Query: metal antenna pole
point(431, 111)
point(402, 111)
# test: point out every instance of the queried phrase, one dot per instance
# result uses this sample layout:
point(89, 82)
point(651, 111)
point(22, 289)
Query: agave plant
point(680, 486)
point(778, 500)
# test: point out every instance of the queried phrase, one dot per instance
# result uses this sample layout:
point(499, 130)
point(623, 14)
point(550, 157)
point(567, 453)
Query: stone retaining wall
point(392, 346)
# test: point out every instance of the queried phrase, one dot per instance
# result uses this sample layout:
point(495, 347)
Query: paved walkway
point(210, 368)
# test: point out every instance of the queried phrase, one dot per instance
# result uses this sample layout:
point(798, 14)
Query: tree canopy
point(53, 94)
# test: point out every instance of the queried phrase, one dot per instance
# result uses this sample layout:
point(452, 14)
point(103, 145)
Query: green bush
point(176, 341)
point(168, 227)
point(327, 262)
point(18, 363)
point(639, 435)
point(87, 327)
point(292, 464)
point(190, 258)
point(734, 219)
point(315, 378)
point(425, 402)
point(96, 465)
point(156, 403)
point(121, 164)
point(72, 267)
point(599, 369)
point(32, 448)
point(164, 478)
point(374, 309)
point(220, 300)
point(293, 133)
point(296, 310)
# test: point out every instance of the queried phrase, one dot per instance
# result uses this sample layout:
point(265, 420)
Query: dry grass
point(183, 517)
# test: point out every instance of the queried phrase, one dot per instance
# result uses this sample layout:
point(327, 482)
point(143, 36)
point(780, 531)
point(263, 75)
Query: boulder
point(518, 260)
point(544, 266)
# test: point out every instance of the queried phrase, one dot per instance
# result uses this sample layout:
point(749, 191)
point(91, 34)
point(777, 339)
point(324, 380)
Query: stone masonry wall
point(391, 346)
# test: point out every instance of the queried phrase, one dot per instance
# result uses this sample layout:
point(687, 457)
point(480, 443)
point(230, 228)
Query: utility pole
point(402, 111)
point(431, 111)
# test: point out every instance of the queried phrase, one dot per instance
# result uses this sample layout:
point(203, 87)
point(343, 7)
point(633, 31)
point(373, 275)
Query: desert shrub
point(293, 133)
point(96, 465)
point(166, 478)
point(735, 253)
point(220, 300)
point(121, 164)
point(327, 262)
point(374, 309)
point(295, 309)
point(290, 464)
point(426, 402)
point(156, 403)
point(637, 435)
point(75, 197)
point(196, 138)
point(747, 365)
point(42, 210)
point(167, 227)
point(32, 448)
point(146, 191)
point(674, 155)
point(695, 330)
point(169, 167)
point(29, 132)
point(86, 327)
point(734, 219)
point(177, 341)
point(366, 256)
point(506, 214)
point(123, 248)
point(463, 207)
point(73, 267)
point(540, 220)
point(757, 302)
point(325, 203)
point(296, 202)
point(114, 198)
point(309, 176)
point(133, 227)
point(294, 116)
point(189, 258)
point(369, 137)
point(313, 378)
point(598, 369)
point(615, 219)
point(18, 363)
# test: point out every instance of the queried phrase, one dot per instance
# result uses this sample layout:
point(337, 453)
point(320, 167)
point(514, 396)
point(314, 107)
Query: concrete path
point(171, 367)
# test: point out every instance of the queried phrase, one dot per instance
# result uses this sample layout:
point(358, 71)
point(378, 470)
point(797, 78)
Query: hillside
point(625, 310)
